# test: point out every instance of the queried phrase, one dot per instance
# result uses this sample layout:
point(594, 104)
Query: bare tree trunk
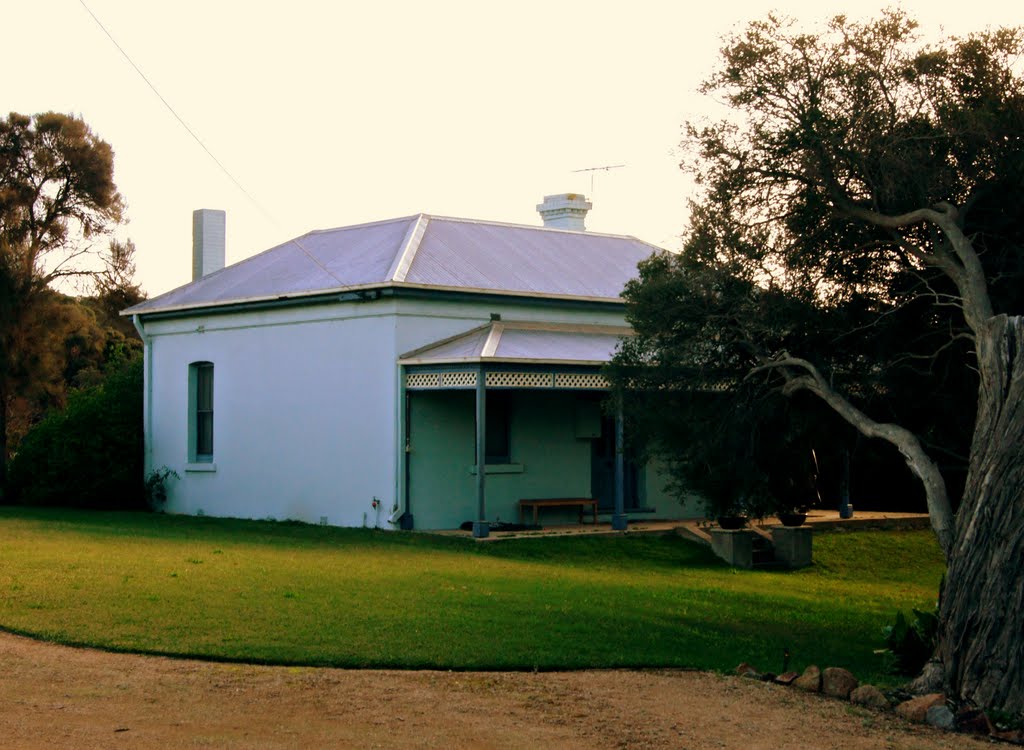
point(918, 461)
point(981, 618)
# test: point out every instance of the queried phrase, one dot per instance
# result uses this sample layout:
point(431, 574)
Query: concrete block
point(792, 545)
point(735, 547)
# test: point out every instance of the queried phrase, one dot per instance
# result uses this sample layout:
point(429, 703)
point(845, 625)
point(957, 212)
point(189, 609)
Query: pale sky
point(332, 113)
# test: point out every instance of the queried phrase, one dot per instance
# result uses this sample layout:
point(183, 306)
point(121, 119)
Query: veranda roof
point(523, 342)
point(422, 251)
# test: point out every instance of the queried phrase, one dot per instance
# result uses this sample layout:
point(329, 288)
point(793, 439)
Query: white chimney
point(565, 211)
point(207, 241)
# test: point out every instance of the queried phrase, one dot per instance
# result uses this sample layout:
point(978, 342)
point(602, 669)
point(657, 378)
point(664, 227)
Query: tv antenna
point(592, 170)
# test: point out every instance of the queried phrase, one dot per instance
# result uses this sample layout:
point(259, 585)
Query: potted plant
point(795, 486)
point(735, 496)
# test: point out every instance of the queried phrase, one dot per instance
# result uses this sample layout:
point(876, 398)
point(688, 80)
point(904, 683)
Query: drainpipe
point(401, 516)
point(147, 395)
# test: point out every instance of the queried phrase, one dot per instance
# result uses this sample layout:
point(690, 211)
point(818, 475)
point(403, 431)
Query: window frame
point(201, 412)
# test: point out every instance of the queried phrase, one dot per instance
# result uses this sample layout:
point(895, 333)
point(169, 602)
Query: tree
point(89, 454)
point(57, 196)
point(858, 223)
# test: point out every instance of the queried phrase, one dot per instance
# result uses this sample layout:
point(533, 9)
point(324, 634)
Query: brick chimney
point(207, 241)
point(565, 211)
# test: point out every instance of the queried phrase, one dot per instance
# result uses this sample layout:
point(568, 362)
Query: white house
point(417, 372)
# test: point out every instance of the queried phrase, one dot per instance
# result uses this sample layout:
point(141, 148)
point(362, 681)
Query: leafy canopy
point(859, 214)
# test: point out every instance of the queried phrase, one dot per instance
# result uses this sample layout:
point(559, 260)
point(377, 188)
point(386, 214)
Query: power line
point(198, 140)
point(171, 109)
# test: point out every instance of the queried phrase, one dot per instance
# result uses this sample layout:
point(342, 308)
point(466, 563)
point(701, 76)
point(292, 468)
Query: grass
point(296, 594)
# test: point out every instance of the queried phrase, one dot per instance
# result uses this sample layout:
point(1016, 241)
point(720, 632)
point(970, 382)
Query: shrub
point(90, 455)
point(912, 643)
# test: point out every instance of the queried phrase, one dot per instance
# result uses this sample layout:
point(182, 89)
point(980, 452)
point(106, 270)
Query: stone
point(940, 717)
point(743, 668)
point(786, 678)
point(838, 682)
point(973, 721)
point(916, 709)
point(870, 696)
point(810, 680)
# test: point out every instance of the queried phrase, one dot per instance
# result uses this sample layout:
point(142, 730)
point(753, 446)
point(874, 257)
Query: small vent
point(455, 379)
point(422, 380)
point(591, 381)
point(519, 379)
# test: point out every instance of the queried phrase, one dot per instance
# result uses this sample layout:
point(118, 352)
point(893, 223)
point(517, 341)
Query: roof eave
point(229, 305)
point(502, 360)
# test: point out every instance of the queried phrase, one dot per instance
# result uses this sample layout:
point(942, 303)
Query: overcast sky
point(333, 112)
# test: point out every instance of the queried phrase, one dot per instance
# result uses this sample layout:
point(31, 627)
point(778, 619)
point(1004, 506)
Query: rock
point(916, 709)
point(838, 682)
point(743, 668)
point(768, 677)
point(870, 696)
point(940, 717)
point(786, 678)
point(973, 721)
point(1014, 736)
point(810, 680)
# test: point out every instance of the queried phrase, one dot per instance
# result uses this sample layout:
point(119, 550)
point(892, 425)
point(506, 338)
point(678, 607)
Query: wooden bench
point(558, 502)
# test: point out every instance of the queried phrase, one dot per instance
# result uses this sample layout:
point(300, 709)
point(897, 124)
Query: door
point(602, 471)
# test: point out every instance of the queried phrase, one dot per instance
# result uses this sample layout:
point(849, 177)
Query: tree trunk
point(981, 617)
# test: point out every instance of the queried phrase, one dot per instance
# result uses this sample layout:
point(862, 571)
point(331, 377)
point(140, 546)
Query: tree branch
point(939, 510)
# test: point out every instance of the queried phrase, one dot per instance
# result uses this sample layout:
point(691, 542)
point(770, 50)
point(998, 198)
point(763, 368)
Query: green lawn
point(296, 594)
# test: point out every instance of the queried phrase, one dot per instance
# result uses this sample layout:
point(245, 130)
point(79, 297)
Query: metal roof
point(422, 251)
point(513, 341)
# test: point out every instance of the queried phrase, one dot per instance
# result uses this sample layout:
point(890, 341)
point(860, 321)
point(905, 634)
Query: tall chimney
point(565, 211)
point(207, 241)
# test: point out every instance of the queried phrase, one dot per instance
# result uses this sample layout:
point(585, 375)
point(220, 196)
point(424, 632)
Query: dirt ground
point(58, 697)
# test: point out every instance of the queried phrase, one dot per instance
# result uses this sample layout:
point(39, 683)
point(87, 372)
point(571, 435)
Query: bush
point(912, 643)
point(90, 455)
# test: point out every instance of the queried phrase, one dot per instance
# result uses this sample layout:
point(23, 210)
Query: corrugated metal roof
point(511, 341)
point(422, 251)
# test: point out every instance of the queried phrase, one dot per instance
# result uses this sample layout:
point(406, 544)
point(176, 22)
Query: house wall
point(302, 405)
point(547, 460)
point(306, 415)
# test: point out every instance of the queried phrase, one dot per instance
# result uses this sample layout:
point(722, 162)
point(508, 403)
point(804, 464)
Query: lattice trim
point(450, 379)
point(423, 380)
point(591, 381)
point(519, 379)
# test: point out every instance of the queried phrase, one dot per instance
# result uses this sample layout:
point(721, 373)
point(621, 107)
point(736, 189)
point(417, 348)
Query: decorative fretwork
point(586, 380)
point(423, 380)
point(519, 380)
point(456, 379)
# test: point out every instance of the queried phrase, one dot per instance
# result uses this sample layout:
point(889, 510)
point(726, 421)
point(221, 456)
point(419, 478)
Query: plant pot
point(792, 519)
point(732, 523)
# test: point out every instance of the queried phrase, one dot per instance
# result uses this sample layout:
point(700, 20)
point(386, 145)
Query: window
point(200, 377)
point(498, 428)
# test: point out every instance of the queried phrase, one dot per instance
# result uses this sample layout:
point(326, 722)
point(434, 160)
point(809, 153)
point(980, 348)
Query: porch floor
point(696, 529)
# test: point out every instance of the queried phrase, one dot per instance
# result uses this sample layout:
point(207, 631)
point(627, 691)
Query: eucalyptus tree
point(858, 237)
point(57, 200)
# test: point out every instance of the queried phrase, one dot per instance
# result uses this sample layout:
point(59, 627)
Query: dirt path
point(58, 697)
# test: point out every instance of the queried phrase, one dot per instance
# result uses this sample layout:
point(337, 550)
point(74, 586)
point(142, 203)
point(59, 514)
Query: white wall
point(305, 402)
point(302, 412)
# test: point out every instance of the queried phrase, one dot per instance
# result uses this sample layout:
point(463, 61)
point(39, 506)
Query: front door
point(602, 471)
